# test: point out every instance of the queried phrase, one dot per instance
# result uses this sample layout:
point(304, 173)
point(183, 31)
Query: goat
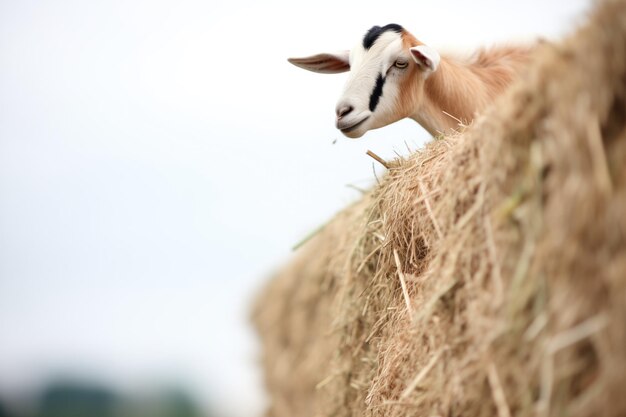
point(393, 75)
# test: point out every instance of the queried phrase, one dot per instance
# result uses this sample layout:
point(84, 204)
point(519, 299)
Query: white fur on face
point(366, 66)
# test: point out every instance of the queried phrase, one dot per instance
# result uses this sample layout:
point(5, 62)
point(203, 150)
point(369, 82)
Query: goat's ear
point(426, 57)
point(324, 63)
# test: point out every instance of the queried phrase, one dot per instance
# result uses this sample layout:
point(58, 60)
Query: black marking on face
point(375, 32)
point(377, 93)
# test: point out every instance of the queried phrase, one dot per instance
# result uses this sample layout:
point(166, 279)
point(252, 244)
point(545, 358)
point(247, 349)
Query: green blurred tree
point(72, 399)
point(66, 398)
point(3, 411)
point(171, 402)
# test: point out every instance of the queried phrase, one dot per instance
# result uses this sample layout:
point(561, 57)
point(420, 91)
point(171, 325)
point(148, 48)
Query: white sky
point(158, 160)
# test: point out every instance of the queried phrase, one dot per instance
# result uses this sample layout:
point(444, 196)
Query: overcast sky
point(159, 159)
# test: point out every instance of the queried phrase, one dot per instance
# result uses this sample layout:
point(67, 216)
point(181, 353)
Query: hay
point(486, 274)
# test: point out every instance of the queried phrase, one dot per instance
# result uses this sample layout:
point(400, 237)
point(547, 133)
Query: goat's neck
point(452, 95)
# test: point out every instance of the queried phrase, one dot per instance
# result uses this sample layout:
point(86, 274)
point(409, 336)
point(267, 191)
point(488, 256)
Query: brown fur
point(411, 95)
point(458, 88)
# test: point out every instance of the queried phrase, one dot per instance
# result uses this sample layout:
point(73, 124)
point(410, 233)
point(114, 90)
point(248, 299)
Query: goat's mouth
point(352, 127)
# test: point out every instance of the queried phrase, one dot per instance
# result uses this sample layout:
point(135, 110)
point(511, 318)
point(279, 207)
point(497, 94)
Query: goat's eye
point(400, 64)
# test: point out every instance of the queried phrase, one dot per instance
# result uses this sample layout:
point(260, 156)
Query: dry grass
point(486, 274)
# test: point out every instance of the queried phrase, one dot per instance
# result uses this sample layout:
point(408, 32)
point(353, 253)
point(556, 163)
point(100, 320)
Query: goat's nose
point(343, 110)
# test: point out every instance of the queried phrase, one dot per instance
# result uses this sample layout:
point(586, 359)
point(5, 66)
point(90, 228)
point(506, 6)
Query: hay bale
point(486, 274)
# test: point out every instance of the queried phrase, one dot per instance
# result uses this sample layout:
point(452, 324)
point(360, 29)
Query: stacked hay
point(486, 274)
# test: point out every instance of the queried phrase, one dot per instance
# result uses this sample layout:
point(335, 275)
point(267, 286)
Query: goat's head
point(387, 73)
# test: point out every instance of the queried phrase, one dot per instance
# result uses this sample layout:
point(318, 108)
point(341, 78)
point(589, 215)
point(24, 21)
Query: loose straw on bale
point(486, 274)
